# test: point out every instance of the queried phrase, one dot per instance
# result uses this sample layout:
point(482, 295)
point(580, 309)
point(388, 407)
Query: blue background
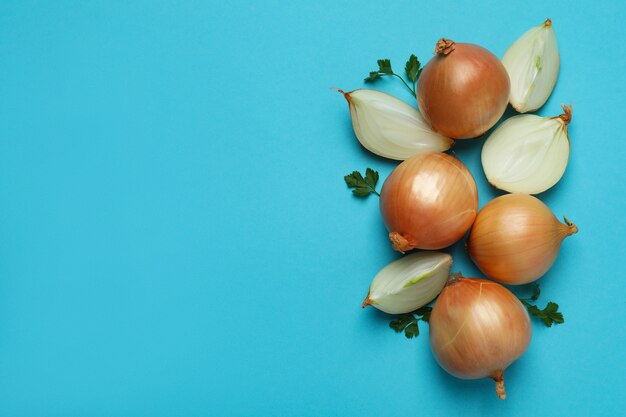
point(177, 238)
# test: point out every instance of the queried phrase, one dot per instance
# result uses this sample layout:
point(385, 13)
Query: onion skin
point(463, 90)
point(428, 202)
point(516, 239)
point(477, 329)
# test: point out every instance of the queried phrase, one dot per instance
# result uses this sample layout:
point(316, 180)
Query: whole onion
point(477, 329)
point(428, 202)
point(516, 238)
point(463, 90)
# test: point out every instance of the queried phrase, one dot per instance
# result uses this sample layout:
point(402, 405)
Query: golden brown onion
point(463, 90)
point(516, 238)
point(477, 329)
point(428, 202)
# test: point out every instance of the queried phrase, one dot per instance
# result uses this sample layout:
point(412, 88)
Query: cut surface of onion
point(389, 127)
point(409, 283)
point(532, 62)
point(527, 153)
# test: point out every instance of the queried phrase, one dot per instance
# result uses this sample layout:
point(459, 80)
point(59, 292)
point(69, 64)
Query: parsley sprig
point(412, 69)
point(407, 322)
point(362, 187)
point(549, 315)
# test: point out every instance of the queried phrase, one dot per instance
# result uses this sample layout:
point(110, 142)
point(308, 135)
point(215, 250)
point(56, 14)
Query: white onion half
point(532, 62)
point(391, 128)
point(409, 283)
point(527, 153)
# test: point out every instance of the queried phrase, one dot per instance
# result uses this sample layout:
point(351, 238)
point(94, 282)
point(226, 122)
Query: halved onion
point(532, 62)
point(409, 283)
point(527, 153)
point(389, 127)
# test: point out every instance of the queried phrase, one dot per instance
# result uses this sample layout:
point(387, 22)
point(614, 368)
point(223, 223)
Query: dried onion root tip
point(401, 243)
point(499, 379)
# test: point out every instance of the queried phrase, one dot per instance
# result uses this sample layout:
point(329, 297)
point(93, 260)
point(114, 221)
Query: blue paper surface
point(177, 238)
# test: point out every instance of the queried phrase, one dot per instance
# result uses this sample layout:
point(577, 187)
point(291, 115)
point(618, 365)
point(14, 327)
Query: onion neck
point(572, 229)
point(567, 116)
point(367, 301)
point(444, 46)
point(345, 95)
point(548, 22)
point(498, 377)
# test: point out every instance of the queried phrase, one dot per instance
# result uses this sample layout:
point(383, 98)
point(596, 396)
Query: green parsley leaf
point(384, 66)
point(354, 179)
point(413, 68)
point(408, 322)
point(423, 310)
point(551, 308)
point(401, 322)
point(412, 330)
point(536, 292)
point(361, 192)
point(371, 177)
point(549, 315)
point(374, 75)
point(362, 187)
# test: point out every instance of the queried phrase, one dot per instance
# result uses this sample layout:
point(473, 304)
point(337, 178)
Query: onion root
point(401, 243)
point(498, 377)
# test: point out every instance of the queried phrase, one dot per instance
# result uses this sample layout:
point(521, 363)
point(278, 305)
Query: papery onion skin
point(516, 239)
point(428, 202)
point(477, 329)
point(463, 90)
